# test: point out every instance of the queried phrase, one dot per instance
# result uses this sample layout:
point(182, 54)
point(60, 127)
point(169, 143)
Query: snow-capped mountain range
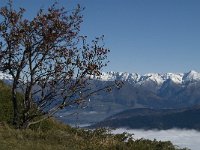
point(159, 79)
point(5, 77)
point(152, 90)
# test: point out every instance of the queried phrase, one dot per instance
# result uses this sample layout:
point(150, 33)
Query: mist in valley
point(181, 138)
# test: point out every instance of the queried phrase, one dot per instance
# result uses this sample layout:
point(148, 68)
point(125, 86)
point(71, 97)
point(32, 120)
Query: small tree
point(51, 64)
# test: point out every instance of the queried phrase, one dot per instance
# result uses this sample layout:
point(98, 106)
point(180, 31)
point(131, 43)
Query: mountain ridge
point(158, 78)
point(147, 118)
point(151, 90)
point(5, 76)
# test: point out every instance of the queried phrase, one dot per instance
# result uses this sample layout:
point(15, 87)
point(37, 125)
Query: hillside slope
point(5, 103)
point(51, 135)
point(145, 118)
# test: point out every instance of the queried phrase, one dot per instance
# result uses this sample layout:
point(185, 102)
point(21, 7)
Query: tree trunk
point(15, 106)
point(27, 105)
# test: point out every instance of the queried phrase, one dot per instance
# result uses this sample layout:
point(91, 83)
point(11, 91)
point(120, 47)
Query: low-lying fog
point(181, 138)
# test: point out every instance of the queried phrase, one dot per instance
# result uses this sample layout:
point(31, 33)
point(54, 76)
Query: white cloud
point(181, 138)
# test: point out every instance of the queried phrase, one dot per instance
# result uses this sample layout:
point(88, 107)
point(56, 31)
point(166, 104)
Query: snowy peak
point(4, 76)
point(135, 78)
point(191, 76)
point(157, 78)
point(124, 76)
point(176, 78)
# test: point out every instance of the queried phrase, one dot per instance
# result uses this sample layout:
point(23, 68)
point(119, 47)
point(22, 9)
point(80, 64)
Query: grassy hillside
point(51, 135)
point(6, 110)
point(5, 103)
point(63, 137)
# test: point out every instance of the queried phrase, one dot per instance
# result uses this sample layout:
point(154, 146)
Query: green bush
point(6, 110)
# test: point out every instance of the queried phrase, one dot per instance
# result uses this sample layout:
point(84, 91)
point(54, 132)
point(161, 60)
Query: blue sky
point(143, 35)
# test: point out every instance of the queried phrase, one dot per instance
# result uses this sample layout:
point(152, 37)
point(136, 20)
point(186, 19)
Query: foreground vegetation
point(51, 135)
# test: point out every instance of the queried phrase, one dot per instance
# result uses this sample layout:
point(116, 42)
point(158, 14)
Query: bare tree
point(50, 62)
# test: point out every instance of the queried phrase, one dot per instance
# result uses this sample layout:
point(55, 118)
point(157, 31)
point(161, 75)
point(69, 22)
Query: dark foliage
point(50, 62)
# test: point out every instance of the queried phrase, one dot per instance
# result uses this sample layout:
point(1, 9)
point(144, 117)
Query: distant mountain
point(159, 79)
point(145, 118)
point(5, 77)
point(152, 90)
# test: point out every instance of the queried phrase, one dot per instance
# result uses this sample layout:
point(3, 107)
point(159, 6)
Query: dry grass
point(63, 137)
